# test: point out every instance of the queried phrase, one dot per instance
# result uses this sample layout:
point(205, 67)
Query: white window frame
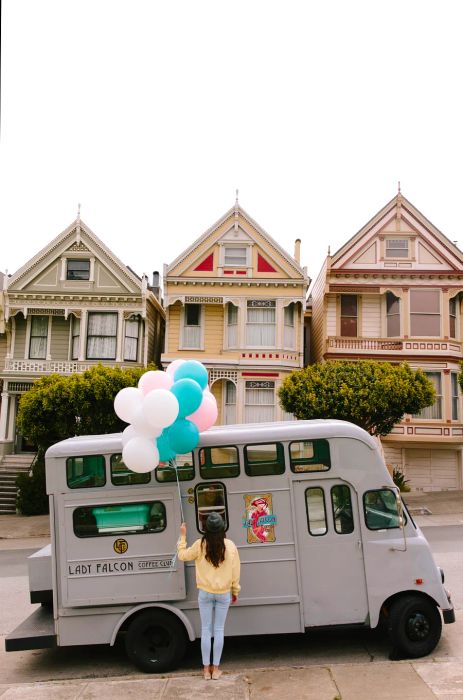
point(454, 299)
point(259, 386)
point(455, 398)
point(229, 412)
point(75, 336)
point(29, 337)
point(289, 331)
point(183, 345)
point(271, 305)
point(136, 320)
point(232, 344)
point(226, 247)
point(389, 248)
point(101, 313)
point(437, 406)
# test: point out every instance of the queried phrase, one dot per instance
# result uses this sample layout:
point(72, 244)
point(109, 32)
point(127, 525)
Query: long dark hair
point(215, 547)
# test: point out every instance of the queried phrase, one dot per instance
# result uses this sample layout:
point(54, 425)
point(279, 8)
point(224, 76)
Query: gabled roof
point(232, 213)
point(78, 231)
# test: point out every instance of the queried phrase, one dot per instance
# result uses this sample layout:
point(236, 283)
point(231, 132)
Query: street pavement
point(382, 680)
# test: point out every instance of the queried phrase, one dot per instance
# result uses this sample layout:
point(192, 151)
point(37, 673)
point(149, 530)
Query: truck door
point(330, 552)
point(119, 547)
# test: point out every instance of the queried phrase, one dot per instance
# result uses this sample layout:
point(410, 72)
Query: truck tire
point(155, 641)
point(414, 625)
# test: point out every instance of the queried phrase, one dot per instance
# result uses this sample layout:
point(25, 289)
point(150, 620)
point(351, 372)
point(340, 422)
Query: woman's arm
point(185, 553)
point(236, 567)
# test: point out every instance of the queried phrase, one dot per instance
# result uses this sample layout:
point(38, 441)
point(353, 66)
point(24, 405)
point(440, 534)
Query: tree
point(58, 407)
point(373, 395)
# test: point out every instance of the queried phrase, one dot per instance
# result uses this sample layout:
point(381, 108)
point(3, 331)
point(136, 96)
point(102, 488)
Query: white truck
point(323, 537)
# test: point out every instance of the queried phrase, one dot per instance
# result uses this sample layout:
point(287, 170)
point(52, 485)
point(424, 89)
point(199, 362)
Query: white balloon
point(142, 428)
point(160, 408)
point(140, 455)
point(128, 434)
point(127, 402)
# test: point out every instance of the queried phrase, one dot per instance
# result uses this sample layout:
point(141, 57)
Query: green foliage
point(373, 395)
point(31, 498)
point(399, 480)
point(58, 407)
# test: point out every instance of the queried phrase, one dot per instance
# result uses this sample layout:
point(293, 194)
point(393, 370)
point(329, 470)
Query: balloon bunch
point(166, 412)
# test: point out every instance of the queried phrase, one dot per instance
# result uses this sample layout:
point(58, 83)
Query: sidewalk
point(383, 681)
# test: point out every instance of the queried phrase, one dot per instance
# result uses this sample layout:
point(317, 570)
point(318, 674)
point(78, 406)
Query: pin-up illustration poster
point(259, 519)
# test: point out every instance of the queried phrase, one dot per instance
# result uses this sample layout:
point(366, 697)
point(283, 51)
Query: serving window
point(381, 509)
point(219, 462)
point(123, 476)
point(119, 519)
point(264, 460)
point(184, 467)
point(310, 456)
point(210, 498)
point(85, 472)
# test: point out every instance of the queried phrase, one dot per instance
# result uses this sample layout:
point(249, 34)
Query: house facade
point(393, 292)
point(73, 305)
point(235, 301)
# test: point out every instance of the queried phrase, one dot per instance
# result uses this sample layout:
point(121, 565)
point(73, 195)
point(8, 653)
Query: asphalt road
point(240, 652)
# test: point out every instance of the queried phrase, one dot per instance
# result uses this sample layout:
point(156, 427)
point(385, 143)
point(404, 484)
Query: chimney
point(155, 279)
point(297, 250)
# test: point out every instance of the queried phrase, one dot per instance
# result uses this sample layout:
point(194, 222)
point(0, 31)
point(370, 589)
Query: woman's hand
point(234, 599)
point(183, 530)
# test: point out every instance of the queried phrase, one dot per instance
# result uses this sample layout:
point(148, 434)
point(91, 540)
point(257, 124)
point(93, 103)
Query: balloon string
point(174, 466)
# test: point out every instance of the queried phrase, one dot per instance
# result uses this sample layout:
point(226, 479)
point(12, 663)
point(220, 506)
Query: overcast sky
point(152, 113)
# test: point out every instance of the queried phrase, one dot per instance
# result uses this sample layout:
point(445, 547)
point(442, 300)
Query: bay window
point(289, 330)
point(132, 330)
point(75, 348)
point(455, 395)
point(101, 336)
point(230, 403)
point(232, 325)
point(433, 412)
point(453, 317)
point(425, 312)
point(192, 326)
point(261, 323)
point(349, 315)
point(392, 315)
point(39, 337)
point(259, 403)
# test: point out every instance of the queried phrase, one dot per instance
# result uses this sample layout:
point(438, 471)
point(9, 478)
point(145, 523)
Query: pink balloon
point(174, 366)
point(155, 380)
point(206, 415)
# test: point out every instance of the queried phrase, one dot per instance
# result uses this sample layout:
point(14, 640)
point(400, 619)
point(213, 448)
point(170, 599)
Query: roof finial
point(237, 207)
point(398, 187)
point(78, 212)
point(236, 200)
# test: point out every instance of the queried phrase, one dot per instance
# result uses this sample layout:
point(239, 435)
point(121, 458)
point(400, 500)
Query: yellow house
point(235, 301)
point(393, 292)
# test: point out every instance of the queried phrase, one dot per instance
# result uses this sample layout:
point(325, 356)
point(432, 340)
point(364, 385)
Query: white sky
point(151, 114)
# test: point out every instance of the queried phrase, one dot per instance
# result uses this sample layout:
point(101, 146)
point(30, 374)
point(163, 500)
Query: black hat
point(215, 523)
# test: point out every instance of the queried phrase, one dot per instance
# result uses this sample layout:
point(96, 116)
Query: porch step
point(10, 468)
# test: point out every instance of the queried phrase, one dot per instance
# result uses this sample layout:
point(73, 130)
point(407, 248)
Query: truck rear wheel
point(155, 641)
point(414, 626)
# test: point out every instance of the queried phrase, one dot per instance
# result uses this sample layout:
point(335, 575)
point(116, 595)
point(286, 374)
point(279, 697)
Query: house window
point(424, 312)
point(192, 326)
point(393, 315)
point(455, 397)
point(259, 404)
point(38, 339)
point(230, 403)
point(75, 338)
point(132, 329)
point(101, 336)
point(349, 314)
point(235, 257)
point(397, 248)
point(433, 412)
point(289, 331)
point(232, 325)
point(78, 270)
point(453, 317)
point(260, 324)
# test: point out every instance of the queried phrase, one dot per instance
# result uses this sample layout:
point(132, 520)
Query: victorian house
point(393, 292)
point(235, 300)
point(73, 305)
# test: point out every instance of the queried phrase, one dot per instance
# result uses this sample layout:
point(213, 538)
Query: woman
point(217, 565)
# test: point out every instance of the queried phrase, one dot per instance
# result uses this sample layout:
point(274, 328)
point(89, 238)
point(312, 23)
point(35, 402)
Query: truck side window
point(85, 472)
point(310, 456)
point(341, 504)
point(219, 462)
point(316, 511)
point(184, 466)
point(123, 476)
point(119, 519)
point(210, 498)
point(381, 512)
point(264, 460)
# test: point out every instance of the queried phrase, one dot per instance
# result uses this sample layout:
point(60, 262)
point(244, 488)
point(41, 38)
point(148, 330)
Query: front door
point(330, 552)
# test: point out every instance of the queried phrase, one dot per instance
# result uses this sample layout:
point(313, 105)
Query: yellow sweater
point(224, 578)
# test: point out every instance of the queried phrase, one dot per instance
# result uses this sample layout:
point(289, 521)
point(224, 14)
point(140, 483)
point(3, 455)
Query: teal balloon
point(192, 369)
point(189, 396)
point(165, 451)
point(183, 436)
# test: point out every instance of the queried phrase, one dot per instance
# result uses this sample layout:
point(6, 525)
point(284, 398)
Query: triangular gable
point(263, 265)
point(399, 218)
point(236, 220)
point(206, 265)
point(43, 269)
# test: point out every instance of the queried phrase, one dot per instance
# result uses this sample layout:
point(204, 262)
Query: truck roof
point(226, 435)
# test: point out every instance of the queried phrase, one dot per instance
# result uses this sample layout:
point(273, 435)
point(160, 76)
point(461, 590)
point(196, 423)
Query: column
point(405, 312)
point(4, 416)
point(120, 329)
point(83, 335)
point(240, 397)
point(48, 353)
point(11, 426)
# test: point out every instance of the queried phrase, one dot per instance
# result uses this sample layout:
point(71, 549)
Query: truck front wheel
point(414, 625)
point(155, 641)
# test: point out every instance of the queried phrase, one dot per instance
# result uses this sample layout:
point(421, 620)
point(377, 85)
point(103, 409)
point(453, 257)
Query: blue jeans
point(209, 603)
